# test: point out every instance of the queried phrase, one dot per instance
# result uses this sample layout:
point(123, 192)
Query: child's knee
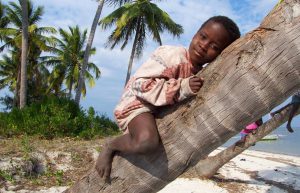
point(147, 143)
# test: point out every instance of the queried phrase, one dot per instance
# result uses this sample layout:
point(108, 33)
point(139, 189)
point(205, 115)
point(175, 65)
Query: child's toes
point(107, 174)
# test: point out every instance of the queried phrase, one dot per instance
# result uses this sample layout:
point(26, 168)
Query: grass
point(80, 154)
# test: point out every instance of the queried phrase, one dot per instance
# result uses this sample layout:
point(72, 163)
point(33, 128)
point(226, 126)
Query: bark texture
point(87, 51)
point(23, 86)
point(252, 76)
point(207, 167)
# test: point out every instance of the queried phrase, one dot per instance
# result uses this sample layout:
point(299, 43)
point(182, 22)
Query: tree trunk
point(209, 166)
point(250, 77)
point(87, 51)
point(16, 100)
point(132, 52)
point(23, 87)
point(70, 89)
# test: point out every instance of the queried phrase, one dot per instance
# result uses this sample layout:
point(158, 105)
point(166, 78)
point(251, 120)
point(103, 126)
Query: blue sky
point(113, 63)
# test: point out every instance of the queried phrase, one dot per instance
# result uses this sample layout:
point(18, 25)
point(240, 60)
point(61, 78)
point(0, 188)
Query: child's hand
point(195, 83)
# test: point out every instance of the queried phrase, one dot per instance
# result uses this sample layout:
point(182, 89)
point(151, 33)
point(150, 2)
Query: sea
point(287, 143)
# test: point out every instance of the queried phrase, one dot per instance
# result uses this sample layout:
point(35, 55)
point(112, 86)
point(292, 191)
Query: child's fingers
point(196, 83)
point(197, 79)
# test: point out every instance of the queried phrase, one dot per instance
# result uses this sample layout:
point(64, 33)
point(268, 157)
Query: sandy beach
point(252, 171)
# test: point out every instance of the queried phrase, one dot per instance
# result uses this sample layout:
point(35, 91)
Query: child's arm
point(159, 91)
point(157, 81)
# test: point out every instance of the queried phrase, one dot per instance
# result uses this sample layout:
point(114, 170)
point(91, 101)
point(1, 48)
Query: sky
point(113, 63)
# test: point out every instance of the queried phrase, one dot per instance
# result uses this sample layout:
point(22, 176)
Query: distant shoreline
point(287, 144)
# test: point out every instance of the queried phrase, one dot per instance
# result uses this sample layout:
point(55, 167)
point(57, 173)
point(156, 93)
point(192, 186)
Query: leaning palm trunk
point(87, 51)
point(249, 78)
point(23, 86)
point(133, 52)
point(209, 166)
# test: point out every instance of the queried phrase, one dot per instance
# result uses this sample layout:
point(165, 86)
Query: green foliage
point(59, 177)
point(26, 147)
point(7, 176)
point(55, 117)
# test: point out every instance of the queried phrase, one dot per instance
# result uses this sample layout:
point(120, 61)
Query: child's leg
point(142, 138)
point(294, 109)
point(279, 110)
point(241, 142)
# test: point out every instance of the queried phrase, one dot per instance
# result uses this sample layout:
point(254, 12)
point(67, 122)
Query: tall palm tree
point(11, 37)
point(87, 51)
point(68, 60)
point(23, 89)
point(136, 18)
point(90, 42)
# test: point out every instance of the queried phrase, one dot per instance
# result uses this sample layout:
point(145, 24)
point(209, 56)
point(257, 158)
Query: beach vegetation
point(55, 117)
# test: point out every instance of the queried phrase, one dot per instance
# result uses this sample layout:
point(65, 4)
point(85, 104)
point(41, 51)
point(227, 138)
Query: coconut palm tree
point(23, 89)
point(136, 18)
point(67, 62)
point(12, 34)
point(209, 166)
point(87, 51)
point(90, 41)
point(11, 37)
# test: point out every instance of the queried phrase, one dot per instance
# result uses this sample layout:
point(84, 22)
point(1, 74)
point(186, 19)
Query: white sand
point(250, 172)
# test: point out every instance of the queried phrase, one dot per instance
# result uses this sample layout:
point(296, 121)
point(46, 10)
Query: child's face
point(208, 43)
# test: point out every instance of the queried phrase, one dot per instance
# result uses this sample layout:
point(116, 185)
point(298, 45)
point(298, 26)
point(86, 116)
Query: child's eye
point(202, 36)
point(214, 47)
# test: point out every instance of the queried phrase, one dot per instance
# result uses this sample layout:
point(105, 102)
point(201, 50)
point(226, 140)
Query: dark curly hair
point(229, 25)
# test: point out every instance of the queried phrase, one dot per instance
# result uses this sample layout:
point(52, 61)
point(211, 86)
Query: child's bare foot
point(253, 132)
point(289, 128)
point(104, 163)
point(241, 142)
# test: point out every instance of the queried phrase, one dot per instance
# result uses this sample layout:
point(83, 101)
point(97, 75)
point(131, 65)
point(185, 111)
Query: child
point(251, 128)
point(166, 78)
point(295, 103)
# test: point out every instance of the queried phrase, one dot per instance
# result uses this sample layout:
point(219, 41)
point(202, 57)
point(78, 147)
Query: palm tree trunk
point(133, 52)
point(209, 166)
point(17, 89)
point(70, 88)
point(251, 77)
point(23, 87)
point(87, 51)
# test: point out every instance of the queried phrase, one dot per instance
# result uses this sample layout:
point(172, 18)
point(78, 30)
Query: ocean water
point(287, 143)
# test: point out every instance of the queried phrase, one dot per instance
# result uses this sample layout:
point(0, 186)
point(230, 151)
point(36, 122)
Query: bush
point(55, 117)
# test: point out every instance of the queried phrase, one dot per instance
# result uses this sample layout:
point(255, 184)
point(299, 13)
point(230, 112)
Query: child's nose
point(205, 45)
